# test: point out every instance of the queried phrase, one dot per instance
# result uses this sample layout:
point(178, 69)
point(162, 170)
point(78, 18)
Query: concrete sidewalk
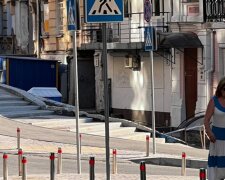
point(102, 177)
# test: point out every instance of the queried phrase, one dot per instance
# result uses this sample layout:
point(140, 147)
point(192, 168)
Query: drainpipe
point(38, 29)
point(209, 72)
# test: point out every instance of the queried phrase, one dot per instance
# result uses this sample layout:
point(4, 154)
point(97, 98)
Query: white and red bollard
point(24, 168)
point(59, 162)
point(202, 174)
point(114, 161)
point(20, 154)
point(142, 171)
point(92, 168)
point(18, 138)
point(5, 166)
point(147, 145)
point(183, 165)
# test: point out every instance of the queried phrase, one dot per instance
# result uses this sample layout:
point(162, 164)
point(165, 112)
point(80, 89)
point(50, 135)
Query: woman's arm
point(208, 115)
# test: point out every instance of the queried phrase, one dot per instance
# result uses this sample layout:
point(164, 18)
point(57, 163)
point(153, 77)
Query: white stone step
point(17, 108)
point(122, 131)
point(54, 121)
point(97, 127)
point(141, 136)
point(26, 113)
point(14, 103)
point(6, 97)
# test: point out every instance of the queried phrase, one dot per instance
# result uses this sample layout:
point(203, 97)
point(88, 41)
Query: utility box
point(47, 92)
point(27, 72)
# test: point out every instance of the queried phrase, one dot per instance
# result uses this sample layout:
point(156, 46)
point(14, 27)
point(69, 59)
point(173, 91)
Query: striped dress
point(216, 160)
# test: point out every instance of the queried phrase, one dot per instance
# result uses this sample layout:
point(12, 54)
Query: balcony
point(127, 34)
point(214, 10)
point(188, 11)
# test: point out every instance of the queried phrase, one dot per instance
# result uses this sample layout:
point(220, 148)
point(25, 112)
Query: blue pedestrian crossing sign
point(103, 11)
point(71, 18)
point(150, 39)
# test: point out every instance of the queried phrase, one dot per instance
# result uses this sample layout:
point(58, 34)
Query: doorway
point(190, 76)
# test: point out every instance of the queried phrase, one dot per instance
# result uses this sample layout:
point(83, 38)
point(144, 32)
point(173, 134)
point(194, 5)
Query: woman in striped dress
point(216, 134)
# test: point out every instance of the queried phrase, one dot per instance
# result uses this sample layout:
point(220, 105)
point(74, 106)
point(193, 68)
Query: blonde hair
point(220, 87)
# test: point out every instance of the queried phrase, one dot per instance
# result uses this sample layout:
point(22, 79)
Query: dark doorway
point(190, 75)
point(86, 80)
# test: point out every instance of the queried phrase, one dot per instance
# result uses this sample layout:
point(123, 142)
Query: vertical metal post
point(106, 99)
point(200, 134)
point(152, 93)
point(20, 154)
point(80, 142)
point(52, 166)
point(143, 171)
point(114, 161)
point(24, 168)
point(76, 100)
point(5, 166)
point(92, 168)
point(18, 138)
point(204, 133)
point(147, 145)
point(59, 162)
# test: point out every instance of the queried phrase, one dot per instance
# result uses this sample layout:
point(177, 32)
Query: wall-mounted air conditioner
point(128, 63)
point(133, 62)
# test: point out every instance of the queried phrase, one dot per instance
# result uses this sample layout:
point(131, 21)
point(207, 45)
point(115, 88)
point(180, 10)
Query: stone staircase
point(12, 106)
point(17, 108)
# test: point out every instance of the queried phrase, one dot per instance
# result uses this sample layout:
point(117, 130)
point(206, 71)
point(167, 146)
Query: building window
point(127, 8)
point(157, 7)
point(44, 18)
point(60, 18)
point(9, 19)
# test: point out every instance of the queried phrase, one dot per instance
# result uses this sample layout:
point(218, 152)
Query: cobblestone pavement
point(102, 177)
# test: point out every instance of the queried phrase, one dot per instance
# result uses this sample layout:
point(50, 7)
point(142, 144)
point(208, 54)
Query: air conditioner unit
point(128, 62)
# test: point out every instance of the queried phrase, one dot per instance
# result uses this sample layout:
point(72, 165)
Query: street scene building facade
point(188, 55)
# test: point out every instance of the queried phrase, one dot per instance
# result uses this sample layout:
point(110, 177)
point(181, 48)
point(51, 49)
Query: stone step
point(53, 121)
point(122, 131)
point(27, 113)
point(14, 103)
point(97, 127)
point(9, 98)
point(141, 136)
point(17, 108)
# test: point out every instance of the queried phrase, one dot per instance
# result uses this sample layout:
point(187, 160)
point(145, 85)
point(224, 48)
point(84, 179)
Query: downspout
point(209, 72)
point(38, 29)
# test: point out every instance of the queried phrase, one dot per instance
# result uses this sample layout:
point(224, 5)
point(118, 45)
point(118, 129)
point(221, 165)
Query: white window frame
point(60, 18)
point(44, 17)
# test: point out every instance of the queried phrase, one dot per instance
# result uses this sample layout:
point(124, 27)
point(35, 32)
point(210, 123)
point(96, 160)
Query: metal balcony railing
point(214, 10)
point(128, 31)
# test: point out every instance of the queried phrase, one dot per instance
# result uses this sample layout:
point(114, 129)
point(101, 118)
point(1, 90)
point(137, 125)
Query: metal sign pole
point(106, 99)
point(76, 101)
point(152, 91)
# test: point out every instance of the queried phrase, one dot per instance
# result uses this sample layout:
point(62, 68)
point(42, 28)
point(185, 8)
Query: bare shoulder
point(211, 105)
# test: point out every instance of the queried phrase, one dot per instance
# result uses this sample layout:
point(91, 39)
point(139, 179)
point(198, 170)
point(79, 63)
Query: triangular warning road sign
point(105, 7)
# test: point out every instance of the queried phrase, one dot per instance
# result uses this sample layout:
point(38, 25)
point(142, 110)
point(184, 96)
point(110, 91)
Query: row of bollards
point(22, 163)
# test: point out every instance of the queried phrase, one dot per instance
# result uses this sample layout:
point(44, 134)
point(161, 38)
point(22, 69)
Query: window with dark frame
point(127, 8)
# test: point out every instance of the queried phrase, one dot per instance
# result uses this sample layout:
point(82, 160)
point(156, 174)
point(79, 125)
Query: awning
point(179, 40)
